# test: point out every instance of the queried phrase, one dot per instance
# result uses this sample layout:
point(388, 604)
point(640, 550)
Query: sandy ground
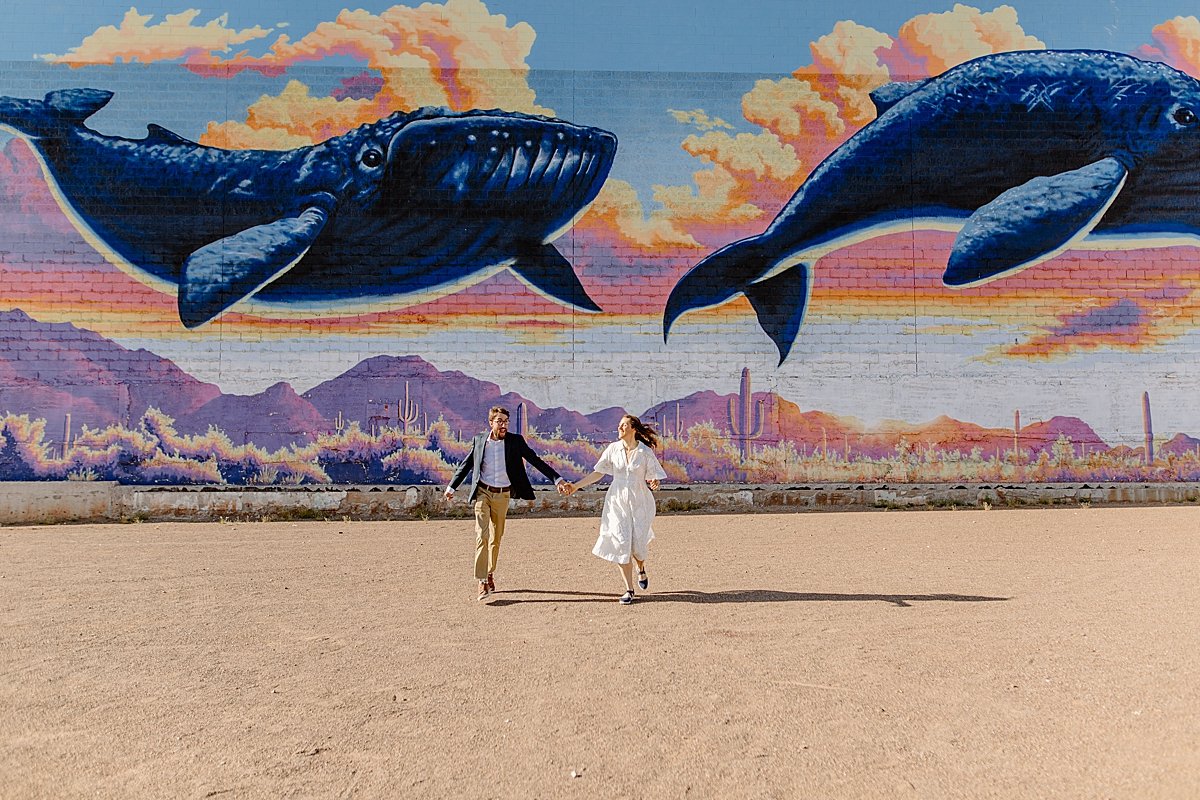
point(1005, 654)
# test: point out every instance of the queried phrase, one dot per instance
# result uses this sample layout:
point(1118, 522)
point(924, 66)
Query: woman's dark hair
point(642, 432)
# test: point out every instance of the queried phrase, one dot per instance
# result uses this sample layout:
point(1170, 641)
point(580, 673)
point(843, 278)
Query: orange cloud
point(846, 69)
point(455, 55)
point(699, 118)
point(758, 157)
point(930, 44)
point(173, 38)
point(749, 172)
point(1176, 42)
point(293, 118)
point(617, 216)
point(821, 104)
point(793, 110)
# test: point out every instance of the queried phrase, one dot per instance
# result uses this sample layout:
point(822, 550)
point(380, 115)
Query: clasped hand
point(567, 488)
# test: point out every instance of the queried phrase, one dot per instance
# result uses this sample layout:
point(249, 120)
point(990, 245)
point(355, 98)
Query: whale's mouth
point(500, 164)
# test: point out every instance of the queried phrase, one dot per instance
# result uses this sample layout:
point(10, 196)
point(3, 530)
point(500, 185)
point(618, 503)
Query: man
point(496, 464)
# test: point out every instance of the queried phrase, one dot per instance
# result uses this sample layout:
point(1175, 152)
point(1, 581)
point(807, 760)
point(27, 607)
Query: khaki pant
point(490, 510)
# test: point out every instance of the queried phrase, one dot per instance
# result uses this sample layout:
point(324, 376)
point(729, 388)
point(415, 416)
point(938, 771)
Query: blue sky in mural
point(684, 35)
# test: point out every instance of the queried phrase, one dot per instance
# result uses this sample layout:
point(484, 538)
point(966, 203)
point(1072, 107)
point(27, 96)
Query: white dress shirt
point(494, 473)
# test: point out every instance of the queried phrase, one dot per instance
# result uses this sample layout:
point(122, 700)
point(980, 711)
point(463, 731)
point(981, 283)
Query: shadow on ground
point(740, 596)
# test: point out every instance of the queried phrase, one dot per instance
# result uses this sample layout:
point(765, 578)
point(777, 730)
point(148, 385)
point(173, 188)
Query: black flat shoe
point(626, 598)
point(643, 581)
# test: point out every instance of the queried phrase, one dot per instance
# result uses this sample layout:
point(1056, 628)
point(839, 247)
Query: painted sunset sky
point(701, 163)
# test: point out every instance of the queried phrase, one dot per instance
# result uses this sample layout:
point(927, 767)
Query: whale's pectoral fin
point(220, 274)
point(1033, 222)
point(547, 271)
point(779, 303)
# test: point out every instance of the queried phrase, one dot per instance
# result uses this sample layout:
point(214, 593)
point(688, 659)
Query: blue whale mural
point(1025, 154)
point(415, 205)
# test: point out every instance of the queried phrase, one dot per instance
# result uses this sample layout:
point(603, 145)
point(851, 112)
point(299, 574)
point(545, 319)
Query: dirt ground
point(976, 654)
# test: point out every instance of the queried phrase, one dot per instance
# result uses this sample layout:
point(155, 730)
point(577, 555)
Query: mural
point(240, 248)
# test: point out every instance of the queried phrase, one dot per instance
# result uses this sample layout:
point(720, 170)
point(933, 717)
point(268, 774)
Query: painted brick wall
point(309, 280)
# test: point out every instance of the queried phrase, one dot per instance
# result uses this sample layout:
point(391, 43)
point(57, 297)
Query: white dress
point(629, 506)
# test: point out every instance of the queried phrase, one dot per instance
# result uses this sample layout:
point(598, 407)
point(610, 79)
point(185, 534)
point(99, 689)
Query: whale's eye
point(372, 158)
point(1184, 116)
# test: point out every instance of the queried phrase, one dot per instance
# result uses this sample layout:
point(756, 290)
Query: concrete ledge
point(57, 501)
point(83, 501)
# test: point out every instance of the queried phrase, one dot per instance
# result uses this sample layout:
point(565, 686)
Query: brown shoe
point(483, 590)
point(491, 583)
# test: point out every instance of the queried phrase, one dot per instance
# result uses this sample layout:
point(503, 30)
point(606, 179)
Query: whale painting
point(1025, 154)
point(404, 209)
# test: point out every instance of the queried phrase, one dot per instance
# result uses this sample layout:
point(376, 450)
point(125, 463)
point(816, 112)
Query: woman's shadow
point(742, 596)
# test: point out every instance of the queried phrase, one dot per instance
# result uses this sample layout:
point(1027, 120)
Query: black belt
point(483, 485)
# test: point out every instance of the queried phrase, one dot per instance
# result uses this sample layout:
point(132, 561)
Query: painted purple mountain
point(271, 419)
point(1039, 436)
point(373, 393)
point(942, 433)
point(49, 370)
point(1180, 444)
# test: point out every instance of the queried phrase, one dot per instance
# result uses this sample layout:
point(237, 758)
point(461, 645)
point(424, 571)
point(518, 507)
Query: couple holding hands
point(496, 466)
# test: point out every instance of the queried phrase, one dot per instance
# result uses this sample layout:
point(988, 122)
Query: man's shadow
point(743, 596)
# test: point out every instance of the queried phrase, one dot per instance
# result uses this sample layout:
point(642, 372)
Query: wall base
point(72, 501)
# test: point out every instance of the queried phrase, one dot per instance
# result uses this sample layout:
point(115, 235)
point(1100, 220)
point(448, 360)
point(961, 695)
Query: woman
point(625, 531)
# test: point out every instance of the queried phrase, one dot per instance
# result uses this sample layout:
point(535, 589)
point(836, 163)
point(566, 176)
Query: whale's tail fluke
point(778, 301)
point(718, 278)
point(62, 107)
point(779, 304)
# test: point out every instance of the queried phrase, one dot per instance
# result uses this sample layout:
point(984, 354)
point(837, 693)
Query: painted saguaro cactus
point(1147, 428)
point(522, 420)
point(406, 411)
point(676, 429)
point(745, 416)
point(1017, 436)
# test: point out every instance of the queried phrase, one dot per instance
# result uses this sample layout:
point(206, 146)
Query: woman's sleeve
point(654, 470)
point(605, 465)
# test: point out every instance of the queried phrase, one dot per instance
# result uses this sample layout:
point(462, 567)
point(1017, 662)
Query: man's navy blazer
point(516, 450)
